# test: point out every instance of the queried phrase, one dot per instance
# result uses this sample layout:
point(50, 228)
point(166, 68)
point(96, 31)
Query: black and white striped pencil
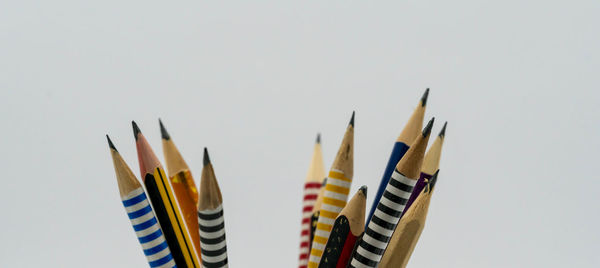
point(383, 223)
point(210, 218)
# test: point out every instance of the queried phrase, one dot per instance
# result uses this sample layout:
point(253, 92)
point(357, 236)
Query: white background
point(517, 81)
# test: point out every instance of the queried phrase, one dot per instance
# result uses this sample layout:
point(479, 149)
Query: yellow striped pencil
point(335, 195)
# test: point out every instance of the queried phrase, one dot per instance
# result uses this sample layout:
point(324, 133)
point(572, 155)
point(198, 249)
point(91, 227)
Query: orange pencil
point(183, 184)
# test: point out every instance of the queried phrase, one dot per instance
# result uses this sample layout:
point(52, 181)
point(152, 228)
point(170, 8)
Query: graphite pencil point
point(424, 98)
point(318, 138)
point(206, 158)
point(443, 131)
point(110, 144)
point(363, 189)
point(163, 131)
point(136, 130)
point(352, 119)
point(427, 128)
point(433, 180)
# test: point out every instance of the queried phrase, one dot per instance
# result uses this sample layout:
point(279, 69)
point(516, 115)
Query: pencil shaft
point(421, 183)
point(311, 191)
point(334, 200)
point(162, 198)
point(189, 211)
point(212, 238)
point(381, 226)
point(147, 229)
point(339, 245)
point(398, 152)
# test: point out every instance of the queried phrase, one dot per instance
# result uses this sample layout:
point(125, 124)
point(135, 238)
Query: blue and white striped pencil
point(380, 228)
point(140, 214)
point(213, 245)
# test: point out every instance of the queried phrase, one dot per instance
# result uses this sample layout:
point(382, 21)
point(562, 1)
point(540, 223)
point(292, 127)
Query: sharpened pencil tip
point(110, 144)
point(363, 189)
point(163, 131)
point(136, 130)
point(318, 138)
point(324, 182)
point(427, 128)
point(433, 180)
point(206, 158)
point(424, 98)
point(443, 131)
point(352, 119)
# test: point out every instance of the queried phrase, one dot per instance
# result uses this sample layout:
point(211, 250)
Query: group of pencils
point(335, 232)
point(178, 225)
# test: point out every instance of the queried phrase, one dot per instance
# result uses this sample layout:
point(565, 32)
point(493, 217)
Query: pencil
point(140, 213)
point(409, 229)
point(165, 204)
point(431, 163)
point(183, 185)
point(314, 218)
point(211, 219)
point(348, 226)
point(312, 185)
point(335, 195)
point(409, 133)
point(381, 226)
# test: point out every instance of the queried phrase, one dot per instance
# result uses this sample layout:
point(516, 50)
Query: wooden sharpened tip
point(363, 189)
point(424, 98)
point(427, 128)
point(136, 130)
point(206, 158)
point(209, 196)
point(110, 144)
point(163, 131)
point(410, 164)
point(352, 119)
point(318, 138)
point(355, 211)
point(432, 182)
point(415, 122)
point(443, 131)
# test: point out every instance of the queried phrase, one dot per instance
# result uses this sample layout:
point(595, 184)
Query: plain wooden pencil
point(431, 163)
point(312, 186)
point(141, 214)
point(409, 229)
point(348, 227)
point(211, 218)
point(407, 136)
point(168, 212)
point(335, 195)
point(183, 185)
point(391, 206)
